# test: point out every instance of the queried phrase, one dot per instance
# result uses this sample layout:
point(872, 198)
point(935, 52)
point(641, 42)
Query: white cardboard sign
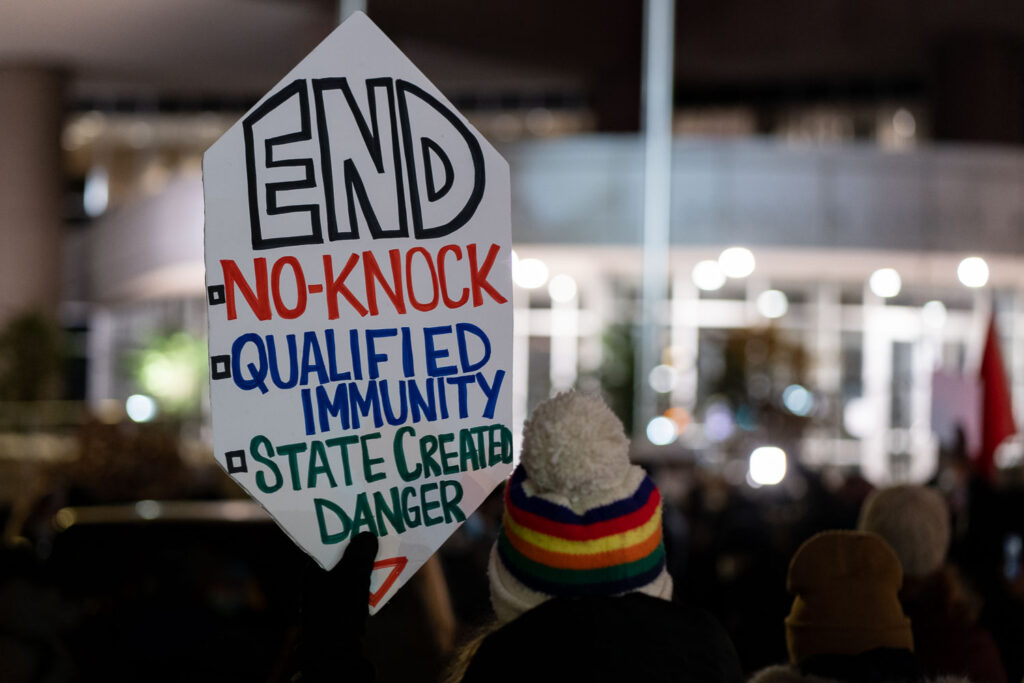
point(359, 285)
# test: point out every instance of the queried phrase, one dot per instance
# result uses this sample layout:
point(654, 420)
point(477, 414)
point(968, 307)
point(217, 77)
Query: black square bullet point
point(215, 294)
point(236, 461)
point(221, 367)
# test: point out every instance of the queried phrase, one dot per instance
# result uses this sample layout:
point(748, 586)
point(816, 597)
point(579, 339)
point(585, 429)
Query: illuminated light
point(236, 510)
point(903, 123)
point(562, 288)
point(140, 408)
point(530, 273)
point(83, 131)
point(680, 416)
point(540, 122)
point(934, 314)
point(171, 370)
point(507, 127)
point(661, 431)
point(859, 418)
point(885, 282)
point(155, 176)
point(772, 303)
point(736, 262)
point(65, 519)
point(167, 378)
point(745, 418)
point(973, 272)
point(97, 192)
point(679, 356)
point(708, 276)
point(1009, 453)
point(147, 509)
point(662, 378)
point(719, 423)
point(767, 465)
point(798, 400)
point(140, 134)
point(109, 411)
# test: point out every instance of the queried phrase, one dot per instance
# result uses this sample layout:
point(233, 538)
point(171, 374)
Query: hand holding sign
point(334, 616)
point(358, 269)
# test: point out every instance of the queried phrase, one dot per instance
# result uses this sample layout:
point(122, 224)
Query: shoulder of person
point(632, 637)
point(784, 673)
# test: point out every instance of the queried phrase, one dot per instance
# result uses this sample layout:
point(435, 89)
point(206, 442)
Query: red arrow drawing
point(397, 564)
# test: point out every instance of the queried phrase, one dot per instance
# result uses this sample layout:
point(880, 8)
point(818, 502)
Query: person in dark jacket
point(914, 520)
point(846, 623)
point(577, 576)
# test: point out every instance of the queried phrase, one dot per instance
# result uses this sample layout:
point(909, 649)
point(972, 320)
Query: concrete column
point(659, 55)
point(31, 190)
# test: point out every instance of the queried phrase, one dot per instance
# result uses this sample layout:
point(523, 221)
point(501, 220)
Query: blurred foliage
point(747, 369)
point(172, 368)
point(758, 364)
point(31, 358)
point(616, 371)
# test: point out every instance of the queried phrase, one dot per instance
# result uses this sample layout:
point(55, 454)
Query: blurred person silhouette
point(986, 517)
point(34, 619)
point(578, 576)
point(336, 641)
point(846, 623)
point(915, 522)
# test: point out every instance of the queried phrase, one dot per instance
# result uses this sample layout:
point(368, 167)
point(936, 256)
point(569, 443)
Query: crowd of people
point(581, 587)
point(584, 565)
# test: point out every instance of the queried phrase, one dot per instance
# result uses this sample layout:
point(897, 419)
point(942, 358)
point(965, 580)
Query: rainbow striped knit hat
point(580, 519)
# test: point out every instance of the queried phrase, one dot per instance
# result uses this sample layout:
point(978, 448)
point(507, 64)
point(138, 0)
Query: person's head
point(580, 519)
point(846, 586)
point(914, 520)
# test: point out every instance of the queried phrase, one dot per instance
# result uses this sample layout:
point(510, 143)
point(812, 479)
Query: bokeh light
point(858, 418)
point(772, 303)
point(662, 378)
point(767, 465)
point(885, 282)
point(719, 423)
point(973, 272)
point(140, 408)
point(661, 431)
point(530, 273)
point(562, 288)
point(934, 314)
point(736, 262)
point(708, 276)
point(798, 400)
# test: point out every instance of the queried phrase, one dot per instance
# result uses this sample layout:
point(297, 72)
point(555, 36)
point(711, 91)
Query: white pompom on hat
point(580, 518)
point(573, 444)
point(914, 520)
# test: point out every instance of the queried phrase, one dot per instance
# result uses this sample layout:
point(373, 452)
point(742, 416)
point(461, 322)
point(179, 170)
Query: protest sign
point(358, 277)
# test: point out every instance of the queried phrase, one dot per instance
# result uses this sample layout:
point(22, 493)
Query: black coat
point(630, 638)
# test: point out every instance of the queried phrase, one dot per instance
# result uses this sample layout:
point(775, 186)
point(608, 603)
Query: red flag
point(996, 406)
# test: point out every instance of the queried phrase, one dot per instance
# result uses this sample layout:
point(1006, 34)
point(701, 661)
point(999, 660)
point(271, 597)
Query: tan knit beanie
point(847, 586)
